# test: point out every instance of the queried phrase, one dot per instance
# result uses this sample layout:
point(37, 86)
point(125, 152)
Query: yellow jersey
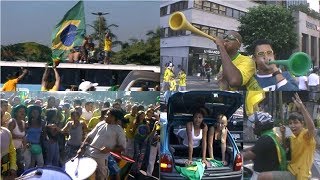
point(107, 44)
point(173, 85)
point(302, 155)
point(167, 75)
point(182, 78)
point(54, 88)
point(10, 85)
point(93, 122)
point(129, 133)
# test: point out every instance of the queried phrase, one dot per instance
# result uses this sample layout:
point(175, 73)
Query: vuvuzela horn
point(178, 21)
point(298, 64)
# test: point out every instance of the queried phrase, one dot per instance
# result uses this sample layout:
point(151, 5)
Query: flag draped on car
point(69, 32)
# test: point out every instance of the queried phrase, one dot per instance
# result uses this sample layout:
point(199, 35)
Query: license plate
point(235, 136)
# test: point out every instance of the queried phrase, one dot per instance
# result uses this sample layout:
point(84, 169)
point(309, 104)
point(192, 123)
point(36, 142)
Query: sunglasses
point(264, 53)
point(231, 37)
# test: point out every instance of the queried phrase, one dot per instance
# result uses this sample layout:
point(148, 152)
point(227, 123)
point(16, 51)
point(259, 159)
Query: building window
point(206, 5)
point(304, 43)
point(214, 8)
point(176, 33)
point(213, 31)
point(163, 11)
point(236, 14)
point(229, 12)
point(198, 4)
point(221, 32)
point(222, 10)
point(205, 29)
point(313, 46)
point(178, 6)
point(162, 32)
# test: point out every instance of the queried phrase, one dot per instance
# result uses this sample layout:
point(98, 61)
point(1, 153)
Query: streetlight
point(100, 14)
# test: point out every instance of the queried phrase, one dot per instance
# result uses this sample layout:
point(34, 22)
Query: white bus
point(74, 74)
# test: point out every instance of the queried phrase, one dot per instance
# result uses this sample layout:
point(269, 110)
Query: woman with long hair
point(34, 137)
point(218, 137)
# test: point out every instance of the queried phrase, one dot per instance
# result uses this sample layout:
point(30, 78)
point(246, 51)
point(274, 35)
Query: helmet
point(262, 121)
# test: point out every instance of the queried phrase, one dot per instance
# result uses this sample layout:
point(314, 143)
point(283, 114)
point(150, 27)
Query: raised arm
point(57, 77)
point(45, 76)
point(24, 72)
point(306, 115)
point(230, 72)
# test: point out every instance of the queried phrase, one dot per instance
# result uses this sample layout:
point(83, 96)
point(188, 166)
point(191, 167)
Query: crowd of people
point(49, 132)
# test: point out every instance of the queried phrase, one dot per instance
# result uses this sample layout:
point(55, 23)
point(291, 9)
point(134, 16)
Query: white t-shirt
point(302, 82)
point(313, 79)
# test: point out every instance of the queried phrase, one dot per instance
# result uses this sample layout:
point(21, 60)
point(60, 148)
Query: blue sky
point(33, 21)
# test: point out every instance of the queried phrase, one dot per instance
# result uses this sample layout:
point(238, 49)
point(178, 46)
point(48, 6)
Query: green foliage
point(305, 8)
point(100, 24)
point(269, 22)
point(139, 51)
point(29, 51)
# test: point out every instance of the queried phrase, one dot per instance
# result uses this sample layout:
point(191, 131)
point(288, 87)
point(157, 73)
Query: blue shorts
point(113, 166)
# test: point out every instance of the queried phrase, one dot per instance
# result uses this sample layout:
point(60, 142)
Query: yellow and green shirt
point(128, 129)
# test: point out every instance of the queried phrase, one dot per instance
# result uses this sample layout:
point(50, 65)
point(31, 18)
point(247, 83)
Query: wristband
point(276, 73)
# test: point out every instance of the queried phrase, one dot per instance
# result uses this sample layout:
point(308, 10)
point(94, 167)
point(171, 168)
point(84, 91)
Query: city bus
point(72, 74)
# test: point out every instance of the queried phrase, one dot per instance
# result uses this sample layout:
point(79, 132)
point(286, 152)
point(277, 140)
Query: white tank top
point(196, 139)
point(18, 142)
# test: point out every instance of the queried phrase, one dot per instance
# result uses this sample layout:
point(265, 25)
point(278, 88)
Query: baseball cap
point(86, 85)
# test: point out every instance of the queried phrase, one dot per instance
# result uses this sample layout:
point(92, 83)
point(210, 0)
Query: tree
point(139, 51)
point(269, 22)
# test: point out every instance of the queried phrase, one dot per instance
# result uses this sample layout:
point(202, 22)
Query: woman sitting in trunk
point(218, 137)
point(195, 132)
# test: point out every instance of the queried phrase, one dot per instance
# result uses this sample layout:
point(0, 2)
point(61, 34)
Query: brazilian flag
point(69, 32)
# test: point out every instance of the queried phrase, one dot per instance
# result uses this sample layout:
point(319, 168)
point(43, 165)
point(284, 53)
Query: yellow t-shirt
point(173, 85)
point(6, 119)
point(302, 155)
point(246, 67)
point(93, 122)
point(182, 79)
point(167, 74)
point(10, 85)
point(131, 118)
point(96, 113)
point(107, 44)
point(54, 88)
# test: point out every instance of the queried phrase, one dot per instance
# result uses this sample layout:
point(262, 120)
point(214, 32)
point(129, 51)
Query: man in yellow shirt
point(96, 119)
point(302, 145)
point(237, 69)
point(182, 80)
point(107, 48)
point(11, 84)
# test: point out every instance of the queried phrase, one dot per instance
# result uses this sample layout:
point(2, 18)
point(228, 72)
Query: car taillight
point(238, 163)
point(166, 163)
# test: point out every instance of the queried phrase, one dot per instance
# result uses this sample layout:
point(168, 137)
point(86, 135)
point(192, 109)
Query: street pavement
point(195, 83)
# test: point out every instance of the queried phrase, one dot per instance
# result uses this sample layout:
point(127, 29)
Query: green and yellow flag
point(69, 32)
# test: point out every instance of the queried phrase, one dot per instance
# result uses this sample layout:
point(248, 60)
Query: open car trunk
point(180, 156)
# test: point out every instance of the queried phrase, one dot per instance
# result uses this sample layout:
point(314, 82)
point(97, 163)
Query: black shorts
point(107, 54)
